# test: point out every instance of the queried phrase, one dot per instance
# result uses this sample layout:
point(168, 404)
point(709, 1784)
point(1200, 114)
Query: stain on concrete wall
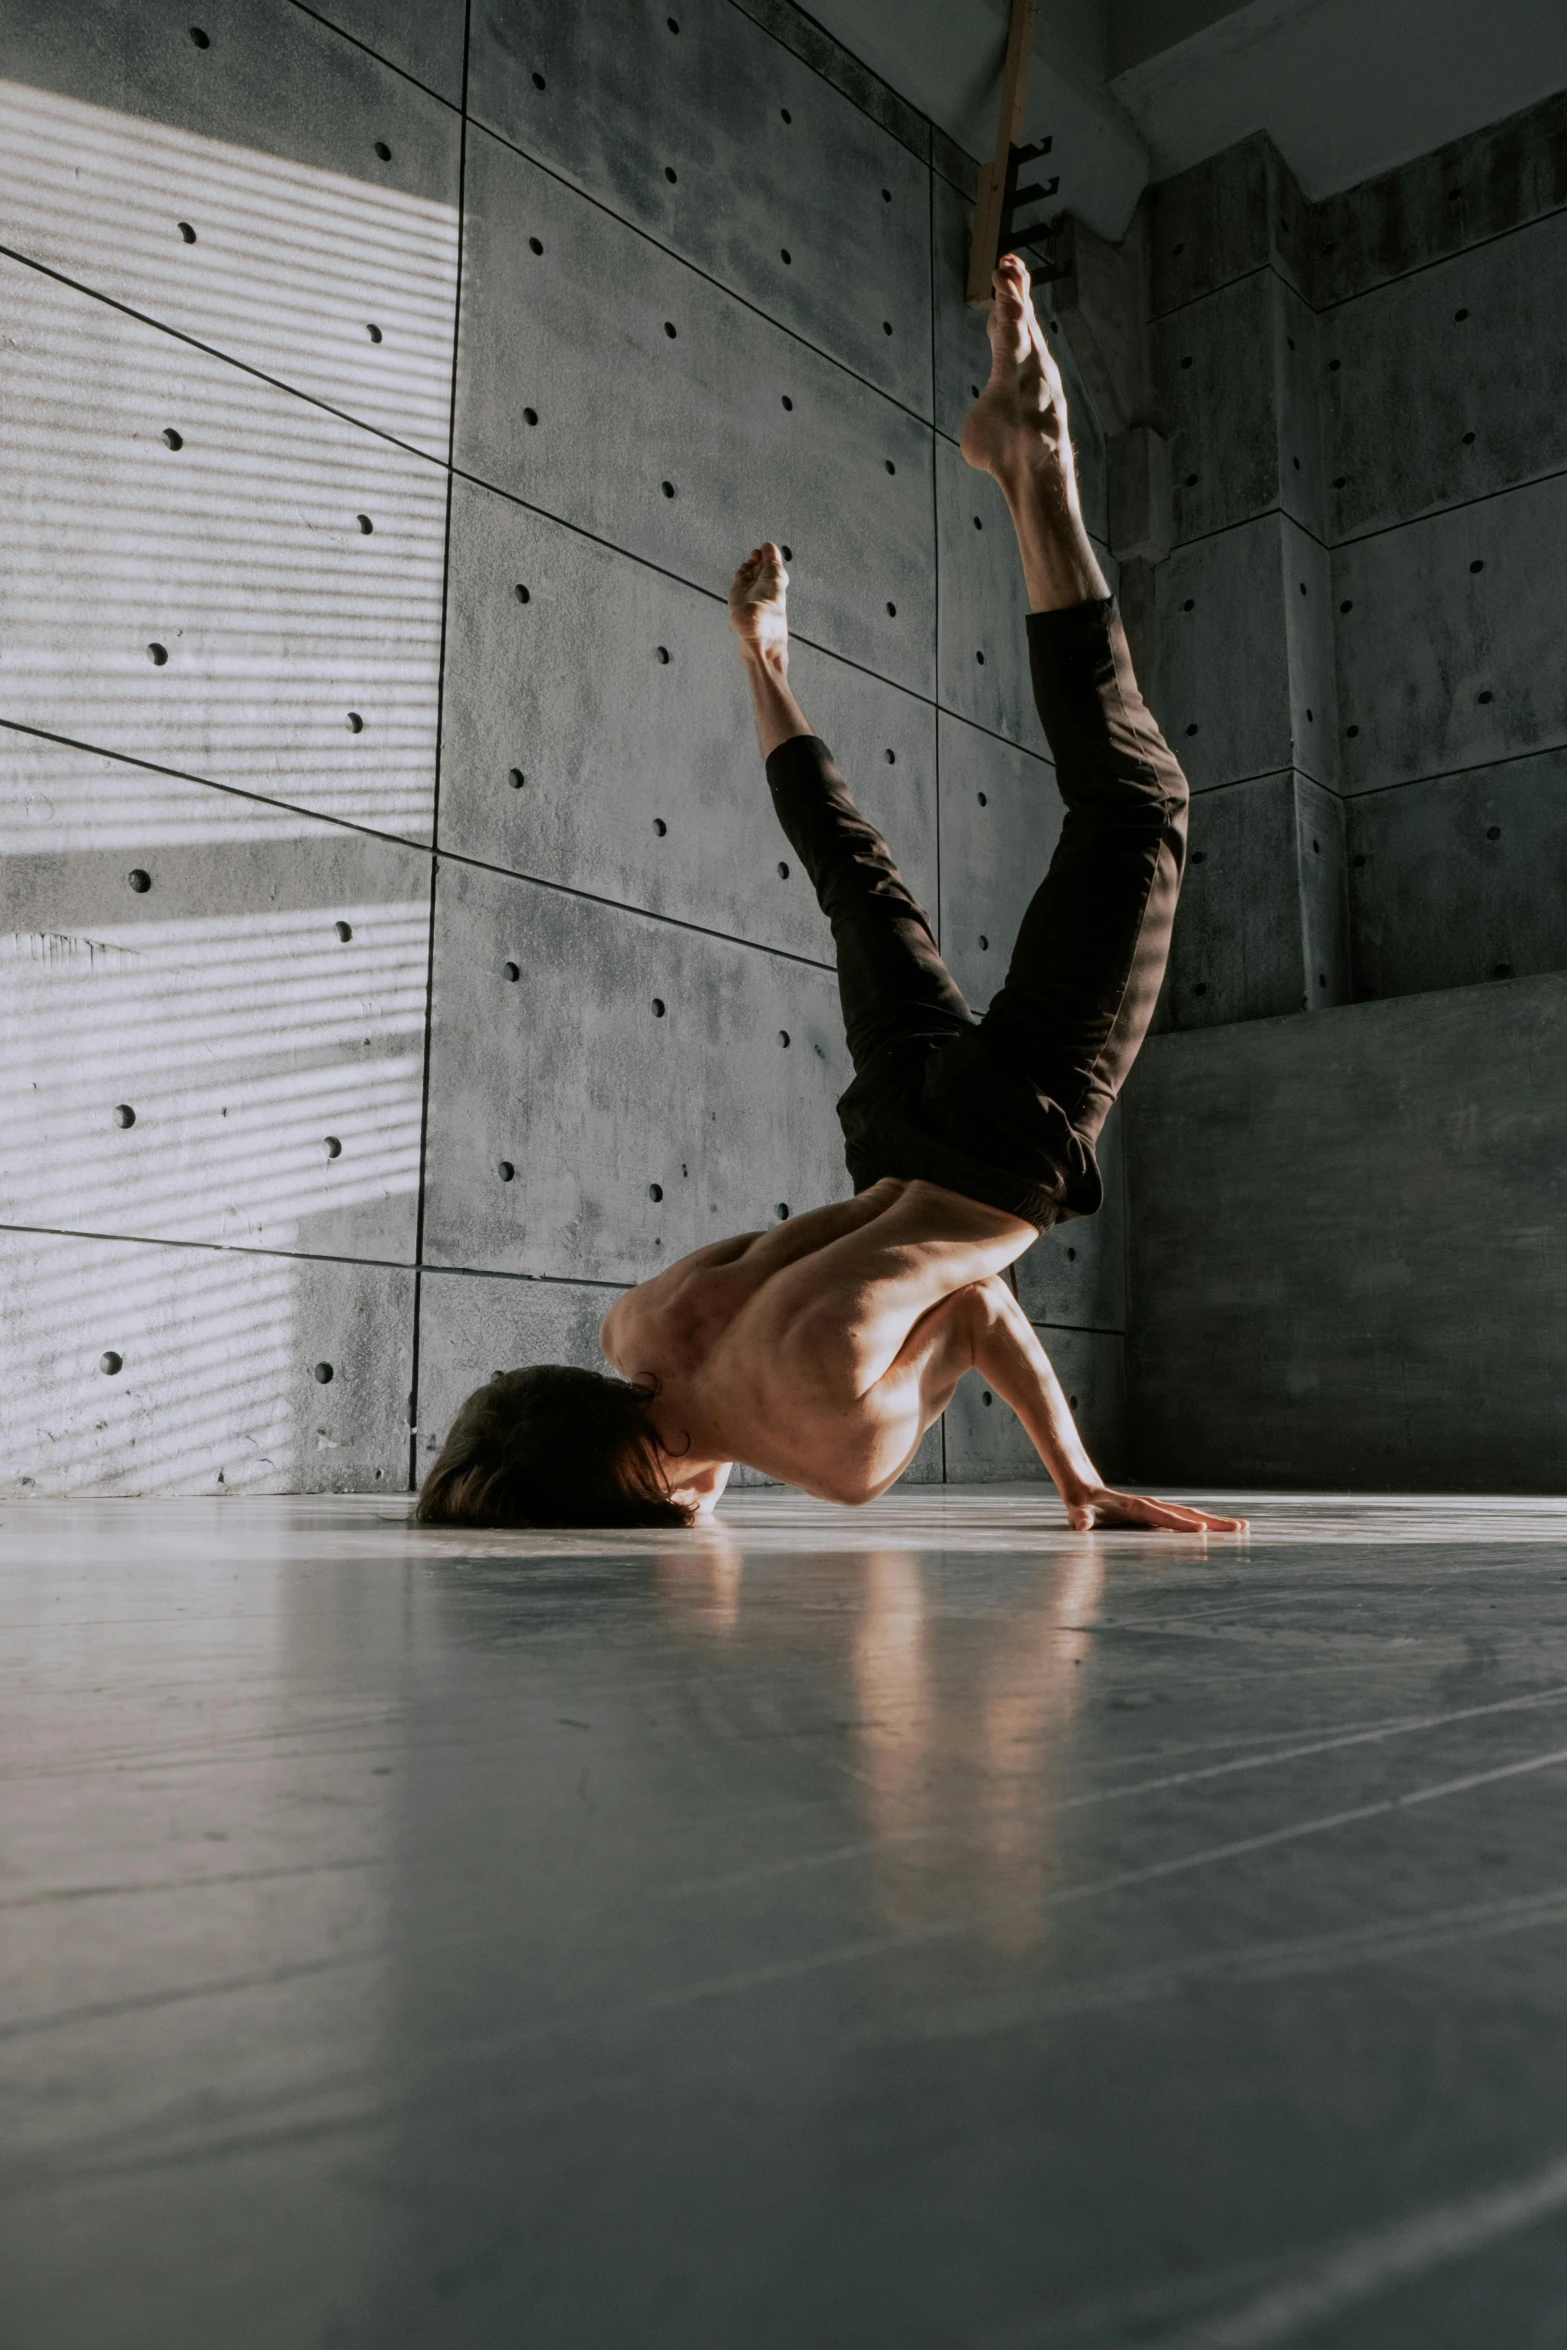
point(388, 393)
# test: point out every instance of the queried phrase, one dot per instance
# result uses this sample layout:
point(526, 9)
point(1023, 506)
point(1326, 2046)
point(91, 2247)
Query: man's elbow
point(987, 1306)
point(991, 1318)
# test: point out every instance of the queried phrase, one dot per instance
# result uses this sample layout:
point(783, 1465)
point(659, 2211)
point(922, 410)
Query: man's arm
point(1009, 1358)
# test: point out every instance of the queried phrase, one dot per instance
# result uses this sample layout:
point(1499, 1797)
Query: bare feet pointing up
point(759, 602)
point(1019, 420)
point(1017, 430)
point(759, 616)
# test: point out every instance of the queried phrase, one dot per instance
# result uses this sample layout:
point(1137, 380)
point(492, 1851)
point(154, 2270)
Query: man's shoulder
point(671, 1321)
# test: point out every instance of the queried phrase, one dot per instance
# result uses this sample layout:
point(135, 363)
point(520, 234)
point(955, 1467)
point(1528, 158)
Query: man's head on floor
point(551, 1446)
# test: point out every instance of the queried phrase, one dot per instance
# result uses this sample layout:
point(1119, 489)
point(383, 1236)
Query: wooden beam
point(993, 176)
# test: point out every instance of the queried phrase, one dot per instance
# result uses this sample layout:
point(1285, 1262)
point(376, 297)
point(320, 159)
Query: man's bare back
point(821, 1351)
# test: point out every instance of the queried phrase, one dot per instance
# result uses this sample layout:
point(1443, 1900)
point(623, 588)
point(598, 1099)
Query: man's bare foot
point(1018, 424)
point(758, 605)
point(759, 616)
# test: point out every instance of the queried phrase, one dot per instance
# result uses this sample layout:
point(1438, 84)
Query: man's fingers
point(1159, 1517)
point(1205, 1520)
point(1170, 1518)
point(1175, 1518)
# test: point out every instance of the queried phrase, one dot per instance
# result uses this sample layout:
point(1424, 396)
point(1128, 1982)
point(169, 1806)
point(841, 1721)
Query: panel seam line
point(414, 1414)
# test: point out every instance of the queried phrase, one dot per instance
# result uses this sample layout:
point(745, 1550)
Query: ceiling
point(1136, 89)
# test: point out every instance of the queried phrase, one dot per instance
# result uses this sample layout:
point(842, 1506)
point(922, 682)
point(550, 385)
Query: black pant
point(1007, 1109)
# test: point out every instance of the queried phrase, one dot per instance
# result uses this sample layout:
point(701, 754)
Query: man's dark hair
point(552, 1447)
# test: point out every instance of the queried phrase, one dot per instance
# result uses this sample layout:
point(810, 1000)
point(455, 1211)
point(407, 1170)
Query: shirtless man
point(820, 1352)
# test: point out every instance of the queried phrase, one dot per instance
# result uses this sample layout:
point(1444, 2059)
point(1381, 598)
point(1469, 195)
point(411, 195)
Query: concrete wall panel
point(1449, 633)
point(568, 1075)
point(1236, 212)
point(961, 353)
point(983, 641)
point(1238, 951)
point(1000, 821)
point(1303, 467)
point(986, 1443)
point(1222, 686)
point(217, 606)
point(1214, 381)
point(643, 781)
point(1470, 358)
point(116, 129)
point(808, 40)
point(1469, 192)
point(423, 38)
point(1462, 880)
point(1263, 926)
point(272, 1067)
point(731, 153)
point(1307, 589)
point(1346, 1257)
point(133, 1368)
point(1323, 854)
point(1235, 381)
point(577, 335)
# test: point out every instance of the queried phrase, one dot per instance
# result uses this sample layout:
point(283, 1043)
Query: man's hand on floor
point(1102, 1507)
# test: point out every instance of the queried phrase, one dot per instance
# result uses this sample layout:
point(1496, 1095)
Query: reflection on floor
point(915, 1926)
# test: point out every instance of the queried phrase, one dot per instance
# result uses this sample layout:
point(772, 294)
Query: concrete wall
point(1347, 1255)
point(387, 396)
point(1360, 658)
point(1359, 628)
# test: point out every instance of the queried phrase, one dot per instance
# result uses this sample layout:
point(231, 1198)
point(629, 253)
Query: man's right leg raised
point(1093, 944)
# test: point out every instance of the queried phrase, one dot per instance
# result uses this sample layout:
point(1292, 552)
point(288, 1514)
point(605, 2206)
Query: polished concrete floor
point(912, 1927)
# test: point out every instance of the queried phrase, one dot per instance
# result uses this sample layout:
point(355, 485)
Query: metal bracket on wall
point(1039, 236)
